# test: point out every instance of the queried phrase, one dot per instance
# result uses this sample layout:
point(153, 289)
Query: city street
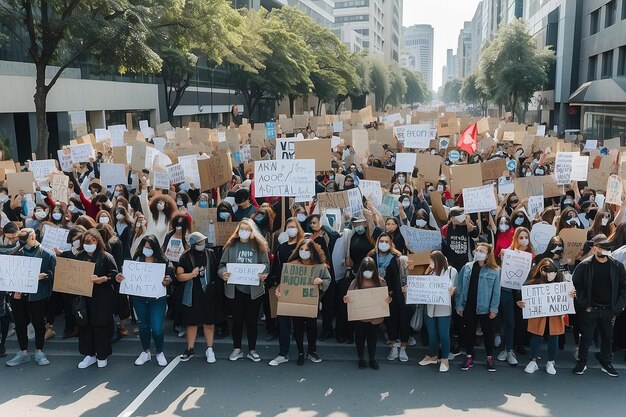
point(333, 388)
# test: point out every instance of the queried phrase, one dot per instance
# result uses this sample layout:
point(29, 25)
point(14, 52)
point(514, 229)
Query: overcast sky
point(447, 17)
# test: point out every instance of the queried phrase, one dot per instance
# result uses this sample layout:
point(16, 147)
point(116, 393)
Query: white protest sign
point(161, 180)
point(190, 166)
point(65, 160)
point(286, 148)
point(159, 144)
point(580, 168)
point(428, 289)
point(590, 144)
point(405, 162)
point(55, 237)
point(285, 178)
point(116, 133)
point(546, 300)
point(244, 274)
point(614, 189)
point(42, 168)
point(505, 185)
point(419, 136)
point(355, 201)
point(19, 273)
point(143, 279)
point(338, 126)
point(398, 131)
point(535, 205)
point(389, 203)
point(418, 240)
point(541, 130)
point(113, 174)
point(563, 167)
point(82, 152)
point(176, 174)
point(335, 141)
point(102, 135)
point(540, 236)
point(372, 190)
point(515, 268)
point(479, 199)
point(392, 118)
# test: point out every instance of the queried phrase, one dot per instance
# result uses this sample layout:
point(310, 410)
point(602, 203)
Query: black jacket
point(583, 278)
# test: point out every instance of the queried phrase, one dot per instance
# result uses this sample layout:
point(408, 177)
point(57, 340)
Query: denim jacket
point(488, 298)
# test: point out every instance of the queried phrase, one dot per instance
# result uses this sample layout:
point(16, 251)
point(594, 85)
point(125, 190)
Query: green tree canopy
point(416, 88)
point(397, 87)
point(379, 82)
point(472, 93)
point(452, 91)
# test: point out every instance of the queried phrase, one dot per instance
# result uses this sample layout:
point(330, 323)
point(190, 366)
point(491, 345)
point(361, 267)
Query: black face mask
point(23, 240)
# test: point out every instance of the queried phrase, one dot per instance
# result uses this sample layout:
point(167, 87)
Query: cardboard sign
point(42, 168)
point(550, 189)
point(479, 199)
point(215, 171)
point(55, 237)
point(546, 300)
point(143, 279)
point(428, 167)
point(378, 174)
point(419, 240)
point(60, 187)
point(614, 190)
point(368, 303)
point(73, 277)
point(113, 174)
point(418, 136)
point(515, 268)
point(19, 273)
point(348, 199)
point(138, 160)
point(285, 178)
point(528, 186)
point(574, 240)
point(563, 167)
point(223, 232)
point(428, 289)
point(465, 176)
point(299, 297)
point(20, 181)
point(319, 150)
point(492, 170)
point(244, 274)
point(203, 218)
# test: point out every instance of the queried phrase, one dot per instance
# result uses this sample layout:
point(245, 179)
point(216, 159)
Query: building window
point(607, 64)
point(623, 9)
point(609, 17)
point(621, 64)
point(593, 64)
point(595, 22)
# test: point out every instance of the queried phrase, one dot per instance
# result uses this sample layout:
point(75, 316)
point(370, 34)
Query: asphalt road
point(333, 388)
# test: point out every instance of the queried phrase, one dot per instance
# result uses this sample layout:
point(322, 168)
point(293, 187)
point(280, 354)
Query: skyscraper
point(417, 50)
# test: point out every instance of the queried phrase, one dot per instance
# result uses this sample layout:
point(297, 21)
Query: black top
point(100, 305)
point(458, 244)
point(360, 246)
point(601, 287)
point(472, 291)
point(283, 252)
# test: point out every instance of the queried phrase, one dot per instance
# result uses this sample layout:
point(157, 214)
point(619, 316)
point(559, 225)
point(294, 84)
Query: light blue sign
point(511, 165)
point(454, 156)
point(270, 130)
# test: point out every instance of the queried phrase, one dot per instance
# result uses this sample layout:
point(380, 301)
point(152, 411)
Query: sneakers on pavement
point(411, 341)
point(314, 358)
point(87, 362)
point(428, 361)
point(143, 358)
point(210, 355)
point(160, 357)
point(41, 359)
point(253, 356)
point(469, 362)
point(531, 368)
point(444, 367)
point(491, 367)
point(608, 368)
point(503, 355)
point(511, 359)
point(403, 356)
point(187, 354)
point(278, 360)
point(237, 354)
point(550, 368)
point(19, 359)
point(393, 354)
point(580, 368)
point(102, 363)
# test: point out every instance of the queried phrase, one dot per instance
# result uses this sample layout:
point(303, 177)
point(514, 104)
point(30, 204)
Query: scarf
point(188, 290)
point(383, 262)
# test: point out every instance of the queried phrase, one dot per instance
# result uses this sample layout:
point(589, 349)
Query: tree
point(452, 90)
point(358, 89)
point(379, 82)
point(59, 32)
point(397, 87)
point(416, 88)
point(474, 94)
point(512, 69)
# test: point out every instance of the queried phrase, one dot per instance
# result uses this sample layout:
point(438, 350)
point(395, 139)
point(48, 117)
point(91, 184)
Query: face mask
point(539, 172)
point(604, 221)
point(120, 217)
point(4, 198)
point(304, 254)
point(179, 203)
point(235, 208)
point(40, 215)
point(592, 198)
point(396, 192)
point(523, 241)
point(200, 247)
point(224, 215)
point(359, 229)
point(301, 217)
point(480, 256)
point(104, 220)
point(551, 276)
point(148, 252)
point(59, 216)
point(139, 224)
point(90, 248)
point(179, 228)
point(420, 222)
point(203, 204)
point(244, 234)
point(160, 206)
point(557, 249)
point(72, 209)
point(384, 247)
point(368, 274)
point(460, 218)
point(529, 174)
point(440, 188)
point(76, 244)
point(401, 180)
point(519, 221)
point(504, 227)
point(568, 202)
point(573, 221)
point(116, 194)
point(260, 218)
point(331, 177)
point(606, 252)
point(406, 203)
point(292, 231)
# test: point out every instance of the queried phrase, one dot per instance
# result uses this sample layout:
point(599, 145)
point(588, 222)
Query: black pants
point(470, 324)
point(589, 321)
point(95, 340)
point(57, 302)
point(33, 312)
point(5, 321)
point(365, 331)
point(343, 327)
point(328, 307)
point(299, 324)
point(271, 325)
point(245, 310)
point(399, 321)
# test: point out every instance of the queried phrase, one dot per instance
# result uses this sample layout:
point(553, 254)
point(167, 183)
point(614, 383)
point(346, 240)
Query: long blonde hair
point(491, 259)
point(515, 243)
point(255, 237)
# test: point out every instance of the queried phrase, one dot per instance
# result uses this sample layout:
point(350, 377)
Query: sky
point(446, 17)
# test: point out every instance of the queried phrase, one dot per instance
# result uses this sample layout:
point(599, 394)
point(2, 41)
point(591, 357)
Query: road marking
point(141, 398)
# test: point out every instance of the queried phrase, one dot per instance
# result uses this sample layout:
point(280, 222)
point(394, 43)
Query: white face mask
point(420, 222)
point(200, 247)
point(301, 217)
point(224, 215)
point(551, 276)
point(292, 231)
point(148, 252)
point(406, 203)
point(179, 203)
point(76, 244)
point(104, 220)
point(179, 228)
point(4, 198)
point(116, 194)
point(304, 254)
point(384, 247)
point(59, 216)
point(401, 180)
point(480, 256)
point(244, 234)
point(40, 215)
point(523, 241)
point(72, 209)
point(574, 221)
point(504, 227)
point(604, 221)
point(120, 217)
point(519, 221)
point(606, 252)
point(440, 188)
point(368, 274)
point(90, 248)
point(160, 206)
point(460, 218)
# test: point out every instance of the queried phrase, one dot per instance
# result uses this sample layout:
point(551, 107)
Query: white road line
point(141, 398)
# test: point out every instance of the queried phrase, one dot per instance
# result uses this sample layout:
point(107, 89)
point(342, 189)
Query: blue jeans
point(507, 307)
point(284, 335)
point(535, 344)
point(438, 334)
point(150, 315)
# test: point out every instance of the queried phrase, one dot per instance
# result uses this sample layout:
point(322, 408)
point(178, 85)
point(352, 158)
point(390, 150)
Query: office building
point(464, 51)
point(321, 11)
point(417, 50)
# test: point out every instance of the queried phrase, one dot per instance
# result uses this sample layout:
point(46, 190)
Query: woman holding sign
point(151, 311)
point(245, 246)
point(545, 272)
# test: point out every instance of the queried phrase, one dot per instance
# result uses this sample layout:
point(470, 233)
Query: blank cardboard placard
point(367, 304)
point(528, 186)
point(493, 169)
point(17, 181)
point(73, 277)
point(573, 239)
point(378, 174)
point(215, 171)
point(465, 176)
point(315, 149)
point(223, 231)
point(429, 166)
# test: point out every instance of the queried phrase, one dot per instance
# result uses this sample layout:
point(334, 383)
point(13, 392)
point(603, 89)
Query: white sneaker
point(411, 341)
point(531, 368)
point(210, 355)
point(393, 354)
point(503, 355)
point(550, 368)
point(103, 363)
point(425, 362)
point(497, 341)
point(143, 358)
point(87, 362)
point(511, 359)
point(443, 367)
point(403, 356)
point(237, 354)
point(278, 360)
point(253, 356)
point(160, 357)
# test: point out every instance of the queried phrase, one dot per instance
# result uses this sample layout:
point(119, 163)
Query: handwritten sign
point(215, 171)
point(299, 296)
point(479, 199)
point(540, 236)
point(55, 237)
point(367, 304)
point(244, 274)
point(563, 167)
point(143, 279)
point(19, 273)
point(285, 178)
point(418, 136)
point(42, 168)
point(113, 174)
point(161, 180)
point(614, 190)
point(372, 191)
point(176, 173)
point(60, 184)
point(65, 160)
point(574, 239)
point(535, 205)
point(73, 277)
point(82, 152)
point(418, 240)
point(546, 300)
point(515, 268)
point(428, 289)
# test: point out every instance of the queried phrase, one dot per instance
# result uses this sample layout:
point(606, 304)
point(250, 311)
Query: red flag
point(468, 140)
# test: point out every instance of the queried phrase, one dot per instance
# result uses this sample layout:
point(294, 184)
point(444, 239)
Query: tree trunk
point(40, 97)
point(319, 107)
point(292, 104)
